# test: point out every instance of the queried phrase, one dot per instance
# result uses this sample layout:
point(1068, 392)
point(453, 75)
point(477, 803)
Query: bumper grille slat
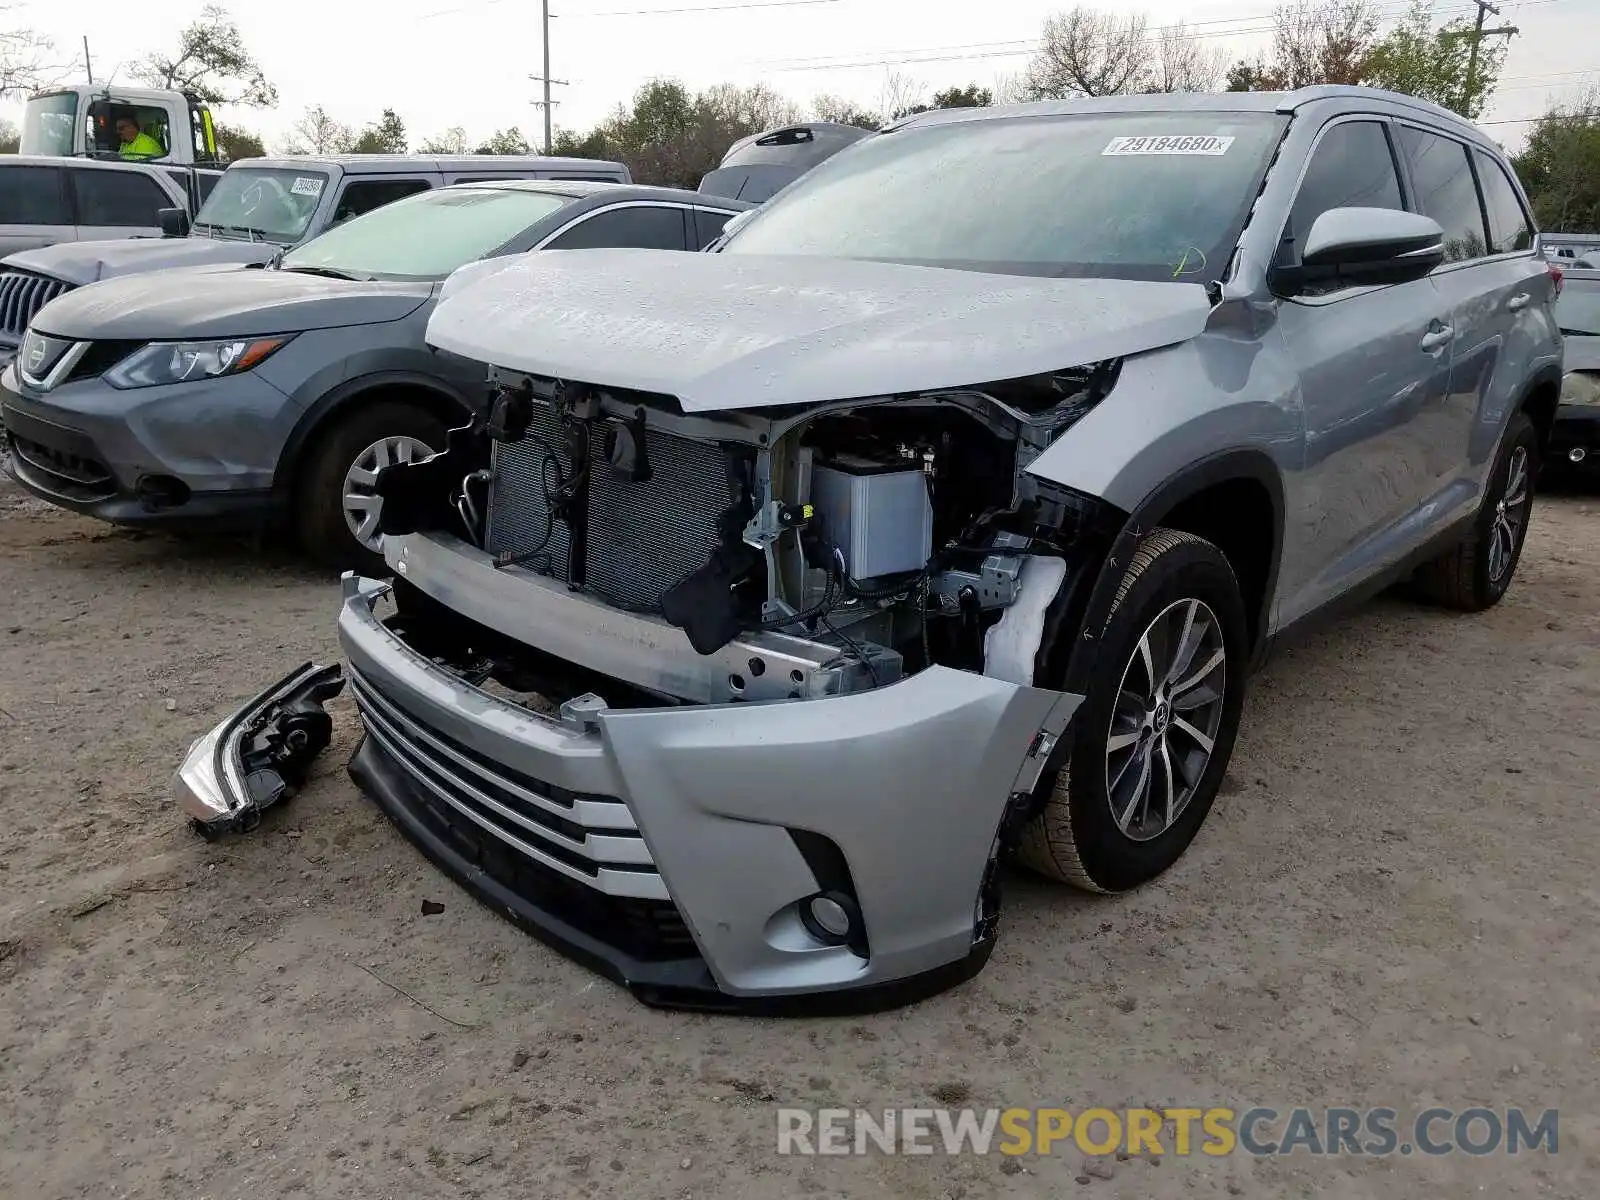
point(642, 537)
point(22, 295)
point(607, 859)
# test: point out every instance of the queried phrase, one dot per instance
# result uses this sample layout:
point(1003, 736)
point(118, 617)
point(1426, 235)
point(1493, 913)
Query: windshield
point(48, 123)
point(425, 236)
point(1126, 195)
point(267, 203)
point(1578, 309)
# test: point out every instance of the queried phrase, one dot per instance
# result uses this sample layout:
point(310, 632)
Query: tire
point(319, 499)
point(1077, 837)
point(1474, 574)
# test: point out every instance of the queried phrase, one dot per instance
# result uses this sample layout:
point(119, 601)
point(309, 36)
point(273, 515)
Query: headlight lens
point(1581, 387)
point(181, 362)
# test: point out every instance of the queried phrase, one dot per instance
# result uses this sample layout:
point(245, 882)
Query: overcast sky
point(440, 63)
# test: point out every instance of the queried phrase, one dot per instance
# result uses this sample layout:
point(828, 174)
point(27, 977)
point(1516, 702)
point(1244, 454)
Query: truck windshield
point(1157, 195)
point(266, 203)
point(425, 236)
point(48, 124)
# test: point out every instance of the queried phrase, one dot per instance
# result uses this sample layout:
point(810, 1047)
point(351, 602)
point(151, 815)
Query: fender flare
point(1093, 607)
point(339, 399)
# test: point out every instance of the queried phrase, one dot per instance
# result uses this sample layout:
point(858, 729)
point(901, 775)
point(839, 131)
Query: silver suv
point(779, 593)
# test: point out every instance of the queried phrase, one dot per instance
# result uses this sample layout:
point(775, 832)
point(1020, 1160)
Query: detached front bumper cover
point(259, 755)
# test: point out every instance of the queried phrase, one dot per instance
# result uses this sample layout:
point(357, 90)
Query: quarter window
point(1352, 167)
point(1509, 228)
point(1442, 175)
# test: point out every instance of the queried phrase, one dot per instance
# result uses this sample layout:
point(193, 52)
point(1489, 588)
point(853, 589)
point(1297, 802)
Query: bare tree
point(1323, 41)
point(758, 107)
point(1090, 52)
point(451, 141)
point(1184, 63)
point(844, 112)
point(211, 62)
point(318, 133)
point(26, 57)
point(900, 94)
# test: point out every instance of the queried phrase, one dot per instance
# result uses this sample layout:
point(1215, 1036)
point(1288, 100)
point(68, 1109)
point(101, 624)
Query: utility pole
point(88, 70)
point(1477, 35)
point(547, 104)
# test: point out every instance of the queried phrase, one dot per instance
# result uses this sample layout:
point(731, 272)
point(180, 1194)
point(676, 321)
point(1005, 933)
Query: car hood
point(732, 331)
point(165, 306)
point(89, 262)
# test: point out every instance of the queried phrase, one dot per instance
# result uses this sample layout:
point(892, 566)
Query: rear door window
point(32, 196)
point(1441, 173)
point(1510, 230)
point(118, 198)
point(641, 226)
point(1352, 167)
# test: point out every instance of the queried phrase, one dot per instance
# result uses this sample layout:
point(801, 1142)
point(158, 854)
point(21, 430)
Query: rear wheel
point(337, 501)
point(1475, 573)
point(1151, 743)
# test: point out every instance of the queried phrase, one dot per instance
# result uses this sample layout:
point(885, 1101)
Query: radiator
point(642, 537)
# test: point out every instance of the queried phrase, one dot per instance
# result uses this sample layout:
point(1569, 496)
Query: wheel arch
point(433, 395)
point(1207, 498)
point(1539, 400)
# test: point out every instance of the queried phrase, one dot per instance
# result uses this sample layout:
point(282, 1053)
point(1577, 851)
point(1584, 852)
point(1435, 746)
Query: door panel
point(1374, 374)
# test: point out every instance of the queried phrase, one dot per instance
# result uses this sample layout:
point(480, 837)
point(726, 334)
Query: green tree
point(387, 135)
point(211, 62)
point(593, 144)
point(239, 143)
point(971, 96)
point(505, 141)
point(1431, 63)
point(1560, 166)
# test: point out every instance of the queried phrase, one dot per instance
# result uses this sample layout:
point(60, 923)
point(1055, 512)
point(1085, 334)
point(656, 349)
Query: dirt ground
point(1393, 904)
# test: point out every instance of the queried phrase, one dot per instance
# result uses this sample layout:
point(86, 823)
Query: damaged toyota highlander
point(777, 597)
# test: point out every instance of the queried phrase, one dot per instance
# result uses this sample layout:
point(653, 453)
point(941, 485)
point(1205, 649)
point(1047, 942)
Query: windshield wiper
point(1578, 333)
point(328, 272)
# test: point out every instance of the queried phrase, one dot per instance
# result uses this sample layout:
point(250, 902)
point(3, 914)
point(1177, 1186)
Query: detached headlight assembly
point(182, 362)
point(1581, 387)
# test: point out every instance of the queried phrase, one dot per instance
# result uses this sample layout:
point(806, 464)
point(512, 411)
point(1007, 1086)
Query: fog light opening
point(161, 491)
point(1577, 454)
point(832, 918)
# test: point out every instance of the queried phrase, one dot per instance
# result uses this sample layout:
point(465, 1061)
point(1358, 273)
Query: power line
point(700, 8)
point(1241, 26)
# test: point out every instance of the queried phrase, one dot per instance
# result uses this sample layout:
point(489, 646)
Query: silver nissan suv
point(778, 595)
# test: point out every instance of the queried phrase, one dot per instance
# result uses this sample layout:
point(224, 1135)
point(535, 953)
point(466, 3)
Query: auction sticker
point(1169, 144)
point(306, 185)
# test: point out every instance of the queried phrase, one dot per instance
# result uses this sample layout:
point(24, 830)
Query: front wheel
point(337, 501)
point(1152, 740)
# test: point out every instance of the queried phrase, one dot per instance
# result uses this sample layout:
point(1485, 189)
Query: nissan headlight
point(1581, 387)
point(183, 362)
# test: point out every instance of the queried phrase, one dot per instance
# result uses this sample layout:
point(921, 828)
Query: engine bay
point(877, 537)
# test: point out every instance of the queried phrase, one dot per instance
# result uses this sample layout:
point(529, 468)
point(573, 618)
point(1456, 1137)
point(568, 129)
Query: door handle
point(1519, 301)
point(1437, 338)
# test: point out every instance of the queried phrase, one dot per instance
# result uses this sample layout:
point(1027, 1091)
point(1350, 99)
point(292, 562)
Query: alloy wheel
point(1510, 516)
point(362, 504)
point(1166, 719)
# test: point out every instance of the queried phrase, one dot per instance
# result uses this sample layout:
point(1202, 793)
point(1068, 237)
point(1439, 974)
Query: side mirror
point(174, 222)
point(1365, 247)
point(738, 219)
